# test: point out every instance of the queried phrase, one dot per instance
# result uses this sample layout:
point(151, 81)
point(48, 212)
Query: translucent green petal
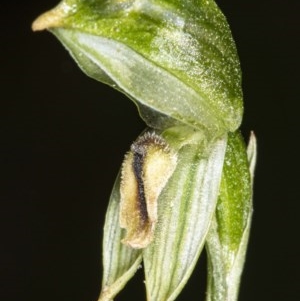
point(119, 261)
point(229, 232)
point(186, 207)
point(175, 59)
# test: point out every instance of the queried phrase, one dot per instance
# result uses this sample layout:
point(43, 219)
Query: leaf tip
point(52, 18)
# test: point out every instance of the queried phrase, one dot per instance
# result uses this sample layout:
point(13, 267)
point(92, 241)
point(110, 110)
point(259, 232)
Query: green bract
point(175, 59)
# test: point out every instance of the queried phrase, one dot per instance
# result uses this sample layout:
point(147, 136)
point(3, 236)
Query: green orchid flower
point(186, 182)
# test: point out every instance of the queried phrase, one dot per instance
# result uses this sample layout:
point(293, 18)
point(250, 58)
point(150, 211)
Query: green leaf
point(119, 261)
point(229, 232)
point(186, 206)
point(176, 59)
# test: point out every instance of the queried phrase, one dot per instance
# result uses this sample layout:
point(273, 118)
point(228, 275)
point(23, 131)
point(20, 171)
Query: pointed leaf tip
point(54, 18)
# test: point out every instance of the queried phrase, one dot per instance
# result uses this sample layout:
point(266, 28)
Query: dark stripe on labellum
point(145, 171)
point(138, 161)
point(139, 151)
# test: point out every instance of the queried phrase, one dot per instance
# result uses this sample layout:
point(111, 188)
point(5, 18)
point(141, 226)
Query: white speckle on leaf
point(176, 49)
point(67, 9)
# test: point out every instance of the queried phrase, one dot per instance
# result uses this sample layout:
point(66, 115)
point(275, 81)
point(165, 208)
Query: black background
point(63, 137)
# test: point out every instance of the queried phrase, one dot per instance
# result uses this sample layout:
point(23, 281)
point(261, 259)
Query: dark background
point(63, 137)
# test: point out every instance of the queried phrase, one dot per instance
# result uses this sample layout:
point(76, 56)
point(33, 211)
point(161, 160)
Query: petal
point(120, 262)
point(175, 59)
point(186, 206)
point(229, 232)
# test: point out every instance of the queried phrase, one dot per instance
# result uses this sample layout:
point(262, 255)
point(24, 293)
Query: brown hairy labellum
point(145, 171)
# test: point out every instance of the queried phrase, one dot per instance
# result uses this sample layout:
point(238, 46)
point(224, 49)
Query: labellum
point(145, 171)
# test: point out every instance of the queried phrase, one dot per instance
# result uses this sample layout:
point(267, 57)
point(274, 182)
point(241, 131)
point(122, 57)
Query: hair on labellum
point(146, 169)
